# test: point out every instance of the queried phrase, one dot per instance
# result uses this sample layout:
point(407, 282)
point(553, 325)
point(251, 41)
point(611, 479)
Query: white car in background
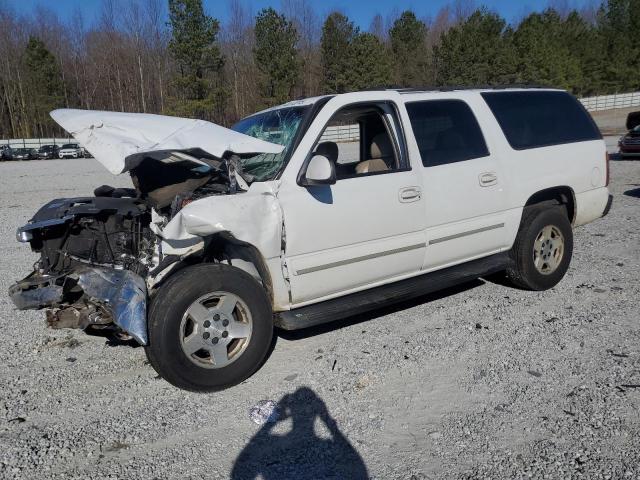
point(70, 150)
point(286, 222)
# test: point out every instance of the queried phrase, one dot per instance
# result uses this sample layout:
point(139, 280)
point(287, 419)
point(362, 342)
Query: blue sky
point(361, 11)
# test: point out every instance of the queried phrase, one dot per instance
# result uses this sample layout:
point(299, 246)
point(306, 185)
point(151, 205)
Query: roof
point(409, 90)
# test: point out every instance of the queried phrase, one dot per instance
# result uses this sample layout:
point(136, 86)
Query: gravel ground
point(481, 381)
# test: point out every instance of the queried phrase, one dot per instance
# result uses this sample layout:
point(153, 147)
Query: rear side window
point(446, 132)
point(541, 119)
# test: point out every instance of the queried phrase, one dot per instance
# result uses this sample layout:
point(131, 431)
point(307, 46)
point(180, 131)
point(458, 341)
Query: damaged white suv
point(306, 213)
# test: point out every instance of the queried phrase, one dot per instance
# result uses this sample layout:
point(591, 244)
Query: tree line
point(173, 58)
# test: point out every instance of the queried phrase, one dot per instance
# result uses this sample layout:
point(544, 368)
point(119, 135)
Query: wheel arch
point(223, 247)
point(562, 194)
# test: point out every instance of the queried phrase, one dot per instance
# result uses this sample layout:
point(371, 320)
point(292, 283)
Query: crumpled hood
point(120, 141)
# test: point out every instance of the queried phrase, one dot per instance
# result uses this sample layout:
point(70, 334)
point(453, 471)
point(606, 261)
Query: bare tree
point(462, 9)
point(376, 27)
point(307, 24)
point(237, 44)
point(563, 7)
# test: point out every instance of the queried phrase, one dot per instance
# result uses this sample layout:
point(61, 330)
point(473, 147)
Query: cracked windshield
point(276, 126)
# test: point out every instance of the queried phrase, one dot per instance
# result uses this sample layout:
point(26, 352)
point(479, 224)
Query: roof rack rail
point(449, 88)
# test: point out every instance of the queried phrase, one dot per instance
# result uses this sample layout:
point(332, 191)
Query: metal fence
point(609, 102)
point(341, 133)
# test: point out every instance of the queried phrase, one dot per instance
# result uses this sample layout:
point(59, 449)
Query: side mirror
point(320, 171)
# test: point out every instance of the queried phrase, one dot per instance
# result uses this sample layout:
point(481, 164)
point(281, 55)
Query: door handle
point(488, 179)
point(410, 194)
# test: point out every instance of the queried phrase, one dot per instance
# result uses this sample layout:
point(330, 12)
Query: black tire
point(523, 272)
point(168, 307)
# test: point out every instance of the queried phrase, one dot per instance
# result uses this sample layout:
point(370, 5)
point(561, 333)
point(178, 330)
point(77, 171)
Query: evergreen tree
point(276, 56)
point(46, 90)
point(410, 54)
point(370, 63)
point(477, 51)
point(338, 33)
point(543, 54)
point(619, 27)
point(585, 44)
point(196, 85)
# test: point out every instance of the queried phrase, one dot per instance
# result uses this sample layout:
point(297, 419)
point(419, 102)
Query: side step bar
point(359, 302)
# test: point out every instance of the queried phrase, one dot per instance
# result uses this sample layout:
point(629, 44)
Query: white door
point(464, 184)
point(368, 227)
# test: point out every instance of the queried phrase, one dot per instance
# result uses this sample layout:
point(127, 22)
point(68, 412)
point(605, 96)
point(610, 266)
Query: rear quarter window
point(446, 131)
point(541, 119)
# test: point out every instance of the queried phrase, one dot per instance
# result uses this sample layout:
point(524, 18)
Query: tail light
point(606, 183)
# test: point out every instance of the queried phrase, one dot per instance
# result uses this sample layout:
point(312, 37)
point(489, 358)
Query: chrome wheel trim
point(548, 250)
point(215, 330)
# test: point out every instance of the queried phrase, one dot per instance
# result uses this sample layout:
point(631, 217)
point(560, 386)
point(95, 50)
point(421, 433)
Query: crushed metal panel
point(119, 141)
point(253, 217)
point(123, 293)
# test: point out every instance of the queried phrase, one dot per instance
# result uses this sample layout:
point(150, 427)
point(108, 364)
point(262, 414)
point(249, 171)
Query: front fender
point(253, 217)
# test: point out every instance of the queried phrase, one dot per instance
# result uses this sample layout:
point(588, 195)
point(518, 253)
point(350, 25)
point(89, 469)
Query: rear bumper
point(591, 205)
point(629, 150)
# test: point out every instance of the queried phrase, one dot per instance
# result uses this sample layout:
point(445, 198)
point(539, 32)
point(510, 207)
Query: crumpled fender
point(253, 217)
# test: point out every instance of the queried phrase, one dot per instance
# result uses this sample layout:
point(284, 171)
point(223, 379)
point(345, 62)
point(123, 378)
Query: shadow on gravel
point(300, 453)
point(379, 312)
point(634, 192)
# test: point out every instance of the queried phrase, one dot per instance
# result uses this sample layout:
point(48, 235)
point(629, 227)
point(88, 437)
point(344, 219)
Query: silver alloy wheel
point(548, 250)
point(216, 329)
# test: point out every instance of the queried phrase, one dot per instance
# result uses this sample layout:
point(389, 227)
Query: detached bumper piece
point(88, 297)
point(35, 292)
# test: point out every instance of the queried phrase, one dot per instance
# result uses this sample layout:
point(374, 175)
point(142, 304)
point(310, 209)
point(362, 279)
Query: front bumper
point(122, 293)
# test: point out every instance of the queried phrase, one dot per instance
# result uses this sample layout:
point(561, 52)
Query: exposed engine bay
point(95, 252)
point(101, 255)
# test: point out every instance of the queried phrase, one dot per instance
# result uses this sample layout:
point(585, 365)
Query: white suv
point(70, 150)
point(307, 213)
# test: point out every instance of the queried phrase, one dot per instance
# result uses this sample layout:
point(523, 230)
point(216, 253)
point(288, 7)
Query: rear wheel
point(542, 251)
point(210, 327)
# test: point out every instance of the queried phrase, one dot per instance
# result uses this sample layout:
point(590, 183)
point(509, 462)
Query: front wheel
point(542, 251)
point(210, 327)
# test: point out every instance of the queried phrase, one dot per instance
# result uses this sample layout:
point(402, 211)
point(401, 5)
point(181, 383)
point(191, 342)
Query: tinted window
point(446, 132)
point(540, 119)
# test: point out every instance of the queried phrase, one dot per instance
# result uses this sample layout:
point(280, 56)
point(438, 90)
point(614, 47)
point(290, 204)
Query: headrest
point(328, 149)
point(381, 146)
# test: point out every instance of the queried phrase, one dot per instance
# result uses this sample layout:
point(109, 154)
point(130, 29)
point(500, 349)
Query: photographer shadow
point(300, 453)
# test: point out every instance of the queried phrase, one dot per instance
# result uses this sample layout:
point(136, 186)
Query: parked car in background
point(438, 188)
point(23, 154)
point(70, 150)
point(5, 152)
point(48, 151)
point(629, 143)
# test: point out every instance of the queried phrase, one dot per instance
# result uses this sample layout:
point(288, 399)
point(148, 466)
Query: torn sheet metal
point(253, 217)
point(123, 293)
point(120, 141)
point(35, 292)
